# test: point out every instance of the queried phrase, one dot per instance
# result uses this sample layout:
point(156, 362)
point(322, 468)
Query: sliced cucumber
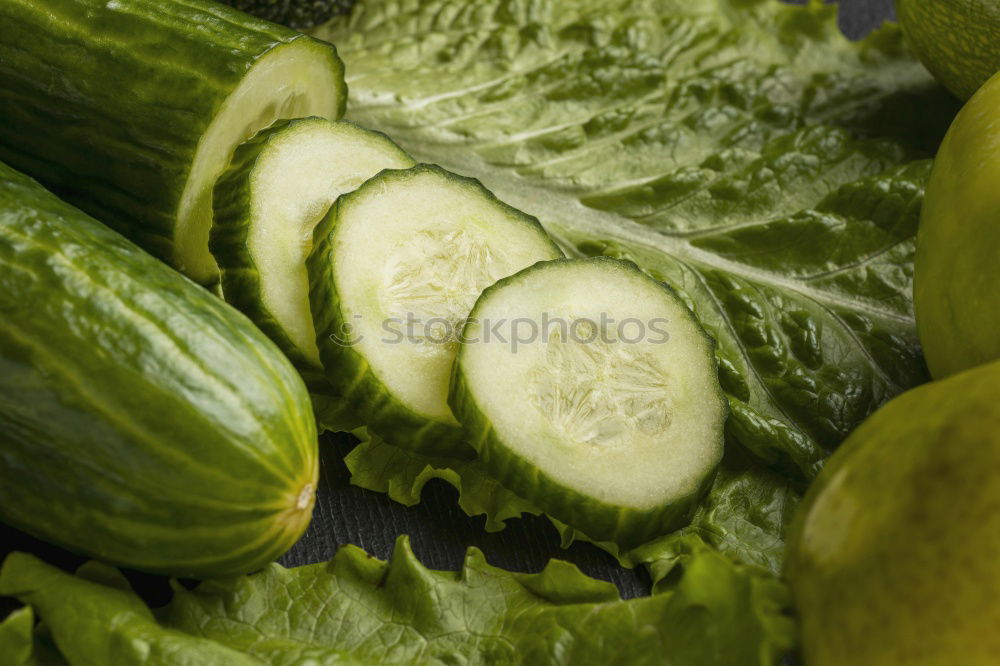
point(132, 110)
point(267, 204)
point(397, 266)
point(610, 417)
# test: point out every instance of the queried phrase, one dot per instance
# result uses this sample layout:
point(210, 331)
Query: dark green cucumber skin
point(598, 521)
point(238, 274)
point(105, 103)
point(143, 421)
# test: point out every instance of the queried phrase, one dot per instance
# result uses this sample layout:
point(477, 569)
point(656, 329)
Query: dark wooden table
point(439, 531)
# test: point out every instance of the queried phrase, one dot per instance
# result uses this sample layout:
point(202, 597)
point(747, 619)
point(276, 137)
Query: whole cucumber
point(143, 421)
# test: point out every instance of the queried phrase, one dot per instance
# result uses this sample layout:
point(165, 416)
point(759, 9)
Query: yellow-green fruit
point(894, 557)
point(957, 272)
point(957, 40)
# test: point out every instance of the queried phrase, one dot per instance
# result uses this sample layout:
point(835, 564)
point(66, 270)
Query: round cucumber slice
point(396, 268)
point(599, 400)
point(278, 187)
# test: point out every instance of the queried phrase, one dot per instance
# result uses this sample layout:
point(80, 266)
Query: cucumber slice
point(267, 205)
point(397, 266)
point(610, 418)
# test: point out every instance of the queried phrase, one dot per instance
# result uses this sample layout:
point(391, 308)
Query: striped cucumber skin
point(599, 520)
point(106, 103)
point(143, 421)
point(349, 370)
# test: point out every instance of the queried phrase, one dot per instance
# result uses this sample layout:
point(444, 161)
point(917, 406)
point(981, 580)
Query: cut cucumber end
point(303, 77)
point(602, 402)
point(267, 205)
point(397, 267)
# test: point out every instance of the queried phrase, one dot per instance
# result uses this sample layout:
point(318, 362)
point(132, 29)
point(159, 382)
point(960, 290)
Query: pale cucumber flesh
point(290, 81)
point(301, 172)
point(420, 246)
point(615, 399)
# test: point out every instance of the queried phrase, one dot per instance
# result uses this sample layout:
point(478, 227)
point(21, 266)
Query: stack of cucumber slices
point(452, 325)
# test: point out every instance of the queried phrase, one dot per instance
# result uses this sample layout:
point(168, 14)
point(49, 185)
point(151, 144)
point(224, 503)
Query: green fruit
point(143, 421)
point(957, 269)
point(957, 40)
point(894, 554)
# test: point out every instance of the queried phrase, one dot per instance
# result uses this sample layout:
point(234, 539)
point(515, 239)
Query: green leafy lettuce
point(745, 513)
point(742, 151)
point(17, 637)
point(23, 643)
point(360, 610)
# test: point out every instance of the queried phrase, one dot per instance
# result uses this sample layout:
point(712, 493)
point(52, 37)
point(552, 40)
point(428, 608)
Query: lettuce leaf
point(360, 610)
point(742, 151)
point(18, 643)
point(744, 514)
point(95, 618)
point(401, 473)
